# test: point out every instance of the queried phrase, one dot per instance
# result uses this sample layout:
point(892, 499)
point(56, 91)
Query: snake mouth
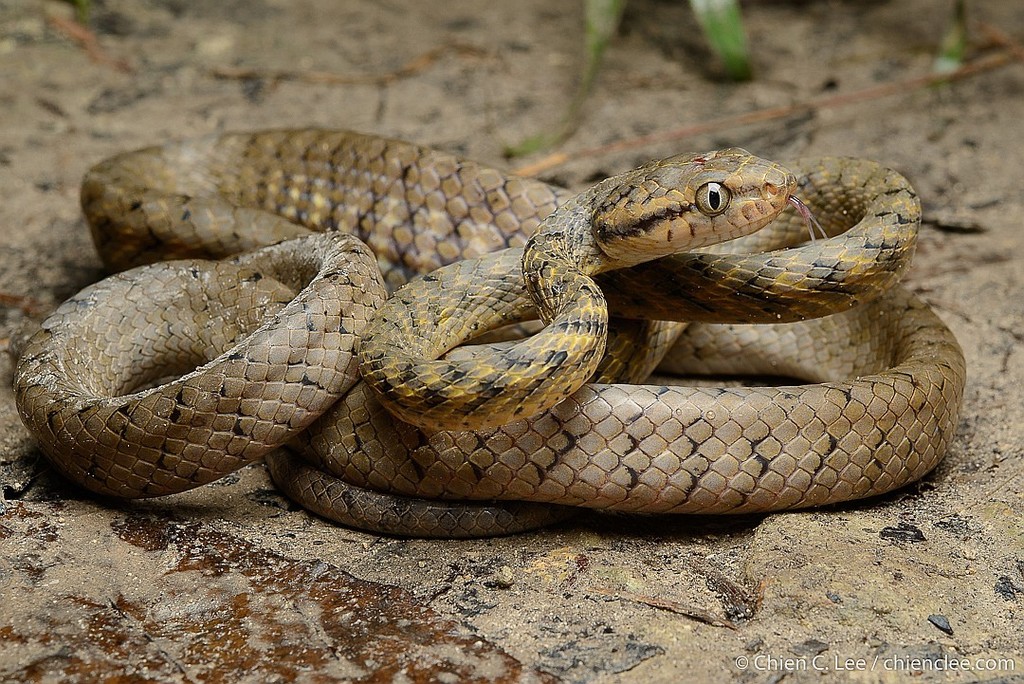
point(810, 220)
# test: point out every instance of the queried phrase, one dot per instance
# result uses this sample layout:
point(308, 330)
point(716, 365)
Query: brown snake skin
point(273, 333)
point(640, 215)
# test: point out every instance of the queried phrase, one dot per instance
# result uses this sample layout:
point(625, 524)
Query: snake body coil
point(890, 374)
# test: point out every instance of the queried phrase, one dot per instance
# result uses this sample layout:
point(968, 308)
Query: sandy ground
point(233, 583)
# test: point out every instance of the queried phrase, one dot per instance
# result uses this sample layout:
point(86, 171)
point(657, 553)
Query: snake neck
point(560, 258)
point(661, 208)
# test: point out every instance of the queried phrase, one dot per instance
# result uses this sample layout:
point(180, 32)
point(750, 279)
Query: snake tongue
point(809, 219)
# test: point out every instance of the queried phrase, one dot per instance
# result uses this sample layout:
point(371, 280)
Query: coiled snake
point(260, 349)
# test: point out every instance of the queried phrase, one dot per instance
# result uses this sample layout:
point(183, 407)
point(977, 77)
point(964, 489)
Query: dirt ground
point(233, 583)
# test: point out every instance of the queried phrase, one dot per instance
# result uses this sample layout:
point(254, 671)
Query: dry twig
point(666, 604)
point(410, 68)
point(87, 40)
point(28, 305)
point(1006, 56)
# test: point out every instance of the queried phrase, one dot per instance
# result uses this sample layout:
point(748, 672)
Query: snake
point(366, 261)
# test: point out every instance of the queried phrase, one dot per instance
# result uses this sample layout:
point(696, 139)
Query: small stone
point(902, 533)
point(1007, 589)
point(941, 623)
point(811, 647)
point(504, 578)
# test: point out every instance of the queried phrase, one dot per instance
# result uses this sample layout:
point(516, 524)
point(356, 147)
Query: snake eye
point(712, 199)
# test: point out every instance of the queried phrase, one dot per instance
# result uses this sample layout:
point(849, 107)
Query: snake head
point(686, 202)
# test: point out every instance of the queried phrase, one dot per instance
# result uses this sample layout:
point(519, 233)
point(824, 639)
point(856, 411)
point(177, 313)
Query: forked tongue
point(809, 219)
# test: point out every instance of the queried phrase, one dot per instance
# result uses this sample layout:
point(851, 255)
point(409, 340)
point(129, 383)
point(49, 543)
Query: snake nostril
point(779, 185)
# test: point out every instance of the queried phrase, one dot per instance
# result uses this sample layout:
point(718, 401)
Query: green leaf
point(601, 19)
point(723, 26)
point(82, 10)
point(954, 42)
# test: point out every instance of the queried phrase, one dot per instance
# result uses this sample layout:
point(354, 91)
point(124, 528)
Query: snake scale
point(169, 375)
